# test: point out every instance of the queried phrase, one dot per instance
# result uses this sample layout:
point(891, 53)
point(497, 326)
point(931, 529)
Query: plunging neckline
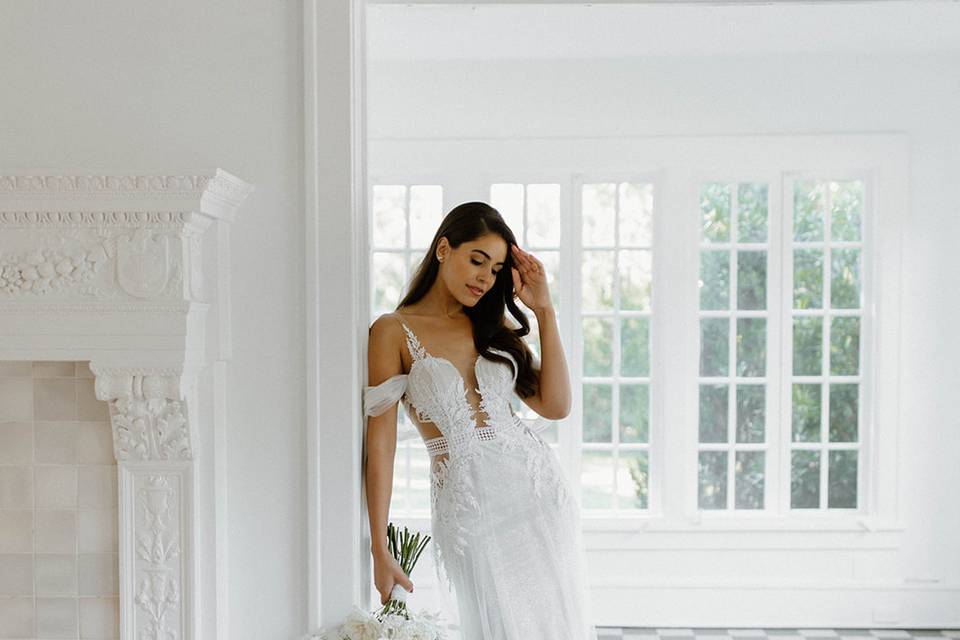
point(463, 383)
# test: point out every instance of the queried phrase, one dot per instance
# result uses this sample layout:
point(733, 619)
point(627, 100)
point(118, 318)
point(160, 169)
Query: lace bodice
point(435, 391)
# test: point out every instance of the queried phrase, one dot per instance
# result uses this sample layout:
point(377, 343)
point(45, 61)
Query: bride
point(504, 522)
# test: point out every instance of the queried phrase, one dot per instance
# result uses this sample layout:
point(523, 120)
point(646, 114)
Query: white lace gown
point(505, 524)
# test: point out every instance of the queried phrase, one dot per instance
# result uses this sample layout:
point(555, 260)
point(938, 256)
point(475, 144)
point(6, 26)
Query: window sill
point(719, 523)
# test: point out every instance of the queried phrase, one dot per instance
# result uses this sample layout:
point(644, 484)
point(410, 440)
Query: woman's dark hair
point(464, 223)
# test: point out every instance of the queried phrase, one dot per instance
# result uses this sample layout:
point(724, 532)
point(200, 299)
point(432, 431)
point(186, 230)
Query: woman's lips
point(475, 291)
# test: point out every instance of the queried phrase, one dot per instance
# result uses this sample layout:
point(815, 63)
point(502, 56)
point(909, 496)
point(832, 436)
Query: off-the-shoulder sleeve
point(381, 397)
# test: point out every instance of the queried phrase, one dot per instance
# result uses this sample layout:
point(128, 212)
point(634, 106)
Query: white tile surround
point(59, 576)
point(111, 477)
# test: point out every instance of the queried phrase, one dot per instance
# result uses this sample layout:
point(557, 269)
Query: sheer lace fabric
point(504, 524)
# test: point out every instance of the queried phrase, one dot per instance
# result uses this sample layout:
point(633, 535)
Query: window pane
point(715, 212)
point(751, 279)
point(636, 214)
point(634, 413)
point(752, 212)
point(751, 347)
point(551, 261)
point(749, 480)
point(714, 402)
point(387, 275)
point(543, 215)
point(635, 279)
point(712, 480)
point(715, 279)
point(806, 413)
point(843, 412)
point(635, 347)
point(751, 410)
point(842, 480)
point(426, 212)
point(807, 346)
point(845, 345)
point(597, 347)
point(633, 480)
point(805, 479)
point(807, 278)
point(599, 211)
point(596, 479)
point(809, 201)
point(597, 412)
point(508, 200)
point(714, 346)
point(597, 294)
point(846, 210)
point(389, 222)
point(845, 278)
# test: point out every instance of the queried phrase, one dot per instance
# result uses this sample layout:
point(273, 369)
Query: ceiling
point(508, 30)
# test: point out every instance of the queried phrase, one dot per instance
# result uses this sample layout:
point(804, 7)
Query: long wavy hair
point(466, 222)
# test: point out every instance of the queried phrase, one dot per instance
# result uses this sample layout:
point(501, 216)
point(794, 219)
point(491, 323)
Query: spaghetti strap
point(417, 351)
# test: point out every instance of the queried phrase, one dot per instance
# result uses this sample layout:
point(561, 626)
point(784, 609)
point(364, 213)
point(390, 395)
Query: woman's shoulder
point(386, 324)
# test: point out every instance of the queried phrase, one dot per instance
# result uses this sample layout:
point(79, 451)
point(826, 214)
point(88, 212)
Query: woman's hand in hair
point(530, 280)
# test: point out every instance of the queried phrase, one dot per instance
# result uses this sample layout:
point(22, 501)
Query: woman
point(505, 524)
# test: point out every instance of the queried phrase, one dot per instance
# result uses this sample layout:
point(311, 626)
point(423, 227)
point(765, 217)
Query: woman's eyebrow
point(486, 254)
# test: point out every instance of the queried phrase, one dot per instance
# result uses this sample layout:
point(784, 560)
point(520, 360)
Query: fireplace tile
point(56, 486)
point(51, 369)
point(17, 369)
point(88, 406)
point(16, 574)
point(54, 399)
point(56, 531)
point(56, 574)
point(56, 618)
point(16, 487)
point(95, 443)
point(98, 574)
point(16, 442)
point(16, 531)
point(82, 370)
point(55, 442)
point(98, 487)
point(99, 618)
point(16, 617)
point(16, 399)
point(98, 530)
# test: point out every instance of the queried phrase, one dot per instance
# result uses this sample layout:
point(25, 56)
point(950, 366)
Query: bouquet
point(393, 621)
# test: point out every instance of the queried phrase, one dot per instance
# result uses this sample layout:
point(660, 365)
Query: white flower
point(360, 625)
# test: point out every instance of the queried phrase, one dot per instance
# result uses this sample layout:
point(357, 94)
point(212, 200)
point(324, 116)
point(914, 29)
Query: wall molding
point(110, 270)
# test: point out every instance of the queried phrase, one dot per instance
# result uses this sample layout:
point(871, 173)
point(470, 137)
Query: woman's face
point(470, 270)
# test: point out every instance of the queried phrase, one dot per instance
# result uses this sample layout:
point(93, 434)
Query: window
point(825, 238)
point(723, 319)
point(732, 384)
point(616, 248)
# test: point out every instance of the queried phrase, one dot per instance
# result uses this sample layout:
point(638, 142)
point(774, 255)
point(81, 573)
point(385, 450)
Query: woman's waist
point(494, 429)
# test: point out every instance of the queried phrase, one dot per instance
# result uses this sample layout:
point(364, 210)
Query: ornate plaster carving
point(157, 564)
point(149, 418)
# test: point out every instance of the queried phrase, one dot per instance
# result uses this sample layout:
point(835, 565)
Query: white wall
point(185, 87)
point(915, 93)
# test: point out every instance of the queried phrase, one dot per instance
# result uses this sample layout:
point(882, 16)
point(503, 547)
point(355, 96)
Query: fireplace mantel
point(131, 273)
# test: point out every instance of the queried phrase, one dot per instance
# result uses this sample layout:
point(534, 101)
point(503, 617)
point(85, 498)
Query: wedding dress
point(505, 527)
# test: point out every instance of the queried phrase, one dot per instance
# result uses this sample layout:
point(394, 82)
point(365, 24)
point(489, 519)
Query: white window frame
point(673, 503)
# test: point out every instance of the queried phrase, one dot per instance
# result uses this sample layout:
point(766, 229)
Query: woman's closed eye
point(472, 261)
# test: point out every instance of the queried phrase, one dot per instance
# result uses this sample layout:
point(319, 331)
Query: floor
point(786, 633)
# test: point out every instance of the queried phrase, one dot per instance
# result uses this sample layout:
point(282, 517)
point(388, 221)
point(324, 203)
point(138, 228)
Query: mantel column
point(153, 444)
